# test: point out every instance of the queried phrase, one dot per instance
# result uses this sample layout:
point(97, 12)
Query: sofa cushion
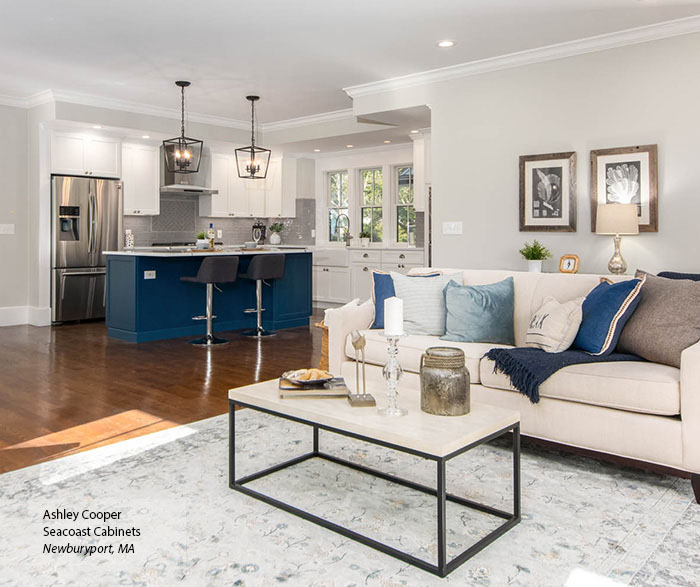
point(413, 346)
point(647, 388)
point(479, 313)
point(606, 310)
point(554, 326)
point(423, 302)
point(666, 322)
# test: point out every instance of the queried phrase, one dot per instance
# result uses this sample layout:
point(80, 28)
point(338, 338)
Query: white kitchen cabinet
point(217, 205)
point(361, 281)
point(421, 169)
point(331, 284)
point(74, 154)
point(140, 174)
point(281, 188)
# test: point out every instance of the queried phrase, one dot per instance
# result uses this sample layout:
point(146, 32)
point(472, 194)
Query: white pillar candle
point(393, 316)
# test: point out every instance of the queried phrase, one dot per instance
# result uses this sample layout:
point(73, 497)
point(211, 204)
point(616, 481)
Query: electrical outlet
point(149, 274)
point(451, 228)
point(219, 233)
point(313, 233)
point(7, 229)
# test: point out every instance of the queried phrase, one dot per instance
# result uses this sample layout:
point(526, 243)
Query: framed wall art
point(548, 192)
point(626, 175)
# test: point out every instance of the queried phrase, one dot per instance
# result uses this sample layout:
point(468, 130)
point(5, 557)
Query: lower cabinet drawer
point(366, 256)
point(403, 257)
point(400, 267)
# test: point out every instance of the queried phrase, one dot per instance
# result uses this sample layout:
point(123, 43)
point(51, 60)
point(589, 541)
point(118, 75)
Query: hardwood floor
point(69, 388)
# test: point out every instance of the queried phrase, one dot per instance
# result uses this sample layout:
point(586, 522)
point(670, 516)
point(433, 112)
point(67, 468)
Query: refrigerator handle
point(91, 222)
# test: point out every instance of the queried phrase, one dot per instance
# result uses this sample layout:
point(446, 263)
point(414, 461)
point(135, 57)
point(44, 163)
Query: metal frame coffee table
point(483, 424)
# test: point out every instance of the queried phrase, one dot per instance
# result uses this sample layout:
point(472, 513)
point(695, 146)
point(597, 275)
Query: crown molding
point(334, 116)
point(12, 101)
point(359, 151)
point(643, 34)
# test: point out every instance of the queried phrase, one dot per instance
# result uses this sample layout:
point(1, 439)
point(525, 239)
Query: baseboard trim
point(39, 316)
point(14, 315)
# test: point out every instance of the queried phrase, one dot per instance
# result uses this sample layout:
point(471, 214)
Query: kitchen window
point(338, 220)
point(371, 203)
point(405, 211)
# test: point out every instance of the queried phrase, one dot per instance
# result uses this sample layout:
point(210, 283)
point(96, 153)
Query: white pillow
point(423, 302)
point(554, 326)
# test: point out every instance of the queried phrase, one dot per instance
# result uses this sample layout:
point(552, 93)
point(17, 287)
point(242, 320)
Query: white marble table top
point(434, 435)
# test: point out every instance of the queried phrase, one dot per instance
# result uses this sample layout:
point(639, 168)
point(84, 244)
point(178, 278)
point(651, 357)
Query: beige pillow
point(554, 326)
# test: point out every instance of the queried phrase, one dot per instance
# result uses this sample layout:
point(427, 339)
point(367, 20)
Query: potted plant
point(364, 238)
point(535, 253)
point(275, 229)
point(202, 241)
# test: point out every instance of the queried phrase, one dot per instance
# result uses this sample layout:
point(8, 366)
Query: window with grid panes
point(371, 203)
point(405, 212)
point(337, 205)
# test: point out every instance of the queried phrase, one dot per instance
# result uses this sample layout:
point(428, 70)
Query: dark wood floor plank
point(71, 384)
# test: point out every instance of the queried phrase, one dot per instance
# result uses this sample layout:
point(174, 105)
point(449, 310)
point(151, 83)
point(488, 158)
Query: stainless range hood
point(195, 184)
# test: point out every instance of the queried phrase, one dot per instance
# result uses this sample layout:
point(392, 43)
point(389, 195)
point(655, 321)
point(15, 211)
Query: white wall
point(13, 210)
point(646, 93)
point(386, 158)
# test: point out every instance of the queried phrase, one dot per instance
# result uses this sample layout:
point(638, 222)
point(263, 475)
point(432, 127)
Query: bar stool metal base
point(209, 340)
point(259, 332)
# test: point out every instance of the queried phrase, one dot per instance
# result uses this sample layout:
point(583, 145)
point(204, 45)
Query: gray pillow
point(423, 302)
point(666, 322)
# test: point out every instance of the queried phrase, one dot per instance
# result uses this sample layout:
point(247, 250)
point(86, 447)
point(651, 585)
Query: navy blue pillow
point(606, 310)
point(383, 288)
point(676, 275)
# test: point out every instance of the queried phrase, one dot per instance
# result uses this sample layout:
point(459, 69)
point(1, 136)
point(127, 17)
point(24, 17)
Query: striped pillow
point(606, 310)
point(423, 302)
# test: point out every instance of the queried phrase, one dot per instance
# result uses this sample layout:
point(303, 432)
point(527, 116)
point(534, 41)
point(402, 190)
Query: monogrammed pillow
point(554, 326)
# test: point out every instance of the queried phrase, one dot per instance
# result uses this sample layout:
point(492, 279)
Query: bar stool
point(262, 268)
point(213, 270)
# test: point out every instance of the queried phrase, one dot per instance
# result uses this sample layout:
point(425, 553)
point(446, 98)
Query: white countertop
point(192, 252)
point(435, 435)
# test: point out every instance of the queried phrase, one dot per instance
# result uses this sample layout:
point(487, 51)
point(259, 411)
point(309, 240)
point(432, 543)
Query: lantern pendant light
point(252, 162)
point(182, 154)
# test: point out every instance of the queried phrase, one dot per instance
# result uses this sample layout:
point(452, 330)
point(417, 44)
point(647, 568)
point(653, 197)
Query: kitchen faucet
point(347, 237)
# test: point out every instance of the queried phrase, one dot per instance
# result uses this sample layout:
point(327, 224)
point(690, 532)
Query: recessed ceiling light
point(349, 146)
point(446, 43)
point(317, 150)
point(97, 126)
point(413, 132)
point(386, 142)
point(145, 136)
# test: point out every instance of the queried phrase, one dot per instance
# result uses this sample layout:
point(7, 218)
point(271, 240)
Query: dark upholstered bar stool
point(262, 268)
point(213, 270)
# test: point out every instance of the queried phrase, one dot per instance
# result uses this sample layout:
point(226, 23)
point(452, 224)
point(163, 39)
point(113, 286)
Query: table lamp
point(617, 220)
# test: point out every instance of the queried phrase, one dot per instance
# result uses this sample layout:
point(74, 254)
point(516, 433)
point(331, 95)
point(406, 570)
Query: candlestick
point(393, 317)
point(392, 373)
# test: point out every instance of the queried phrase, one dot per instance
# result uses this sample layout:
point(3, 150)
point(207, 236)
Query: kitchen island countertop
point(192, 252)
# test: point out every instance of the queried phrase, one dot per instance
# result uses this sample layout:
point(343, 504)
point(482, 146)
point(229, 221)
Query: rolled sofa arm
point(690, 407)
point(340, 322)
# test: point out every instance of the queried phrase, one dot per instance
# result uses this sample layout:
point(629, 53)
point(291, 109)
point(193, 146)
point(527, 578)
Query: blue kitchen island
point(146, 300)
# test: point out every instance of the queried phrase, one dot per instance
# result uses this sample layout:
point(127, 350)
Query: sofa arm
point(340, 322)
point(690, 407)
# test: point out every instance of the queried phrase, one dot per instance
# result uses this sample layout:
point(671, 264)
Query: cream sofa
point(642, 411)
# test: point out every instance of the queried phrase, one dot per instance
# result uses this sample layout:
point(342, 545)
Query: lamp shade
point(617, 219)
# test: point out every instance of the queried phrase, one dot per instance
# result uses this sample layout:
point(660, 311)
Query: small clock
point(568, 264)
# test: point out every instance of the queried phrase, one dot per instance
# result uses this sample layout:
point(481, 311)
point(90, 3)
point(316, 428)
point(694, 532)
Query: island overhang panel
point(141, 309)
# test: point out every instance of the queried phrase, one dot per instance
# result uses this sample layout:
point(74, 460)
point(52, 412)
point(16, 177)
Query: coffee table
point(436, 438)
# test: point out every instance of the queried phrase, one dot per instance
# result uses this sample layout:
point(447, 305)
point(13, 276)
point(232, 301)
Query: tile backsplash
point(179, 221)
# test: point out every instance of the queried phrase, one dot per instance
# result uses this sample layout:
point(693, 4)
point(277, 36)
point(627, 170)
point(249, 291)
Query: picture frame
point(569, 264)
point(626, 175)
point(548, 192)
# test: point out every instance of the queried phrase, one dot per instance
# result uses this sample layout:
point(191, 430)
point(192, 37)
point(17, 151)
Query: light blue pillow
point(423, 302)
point(480, 313)
point(606, 310)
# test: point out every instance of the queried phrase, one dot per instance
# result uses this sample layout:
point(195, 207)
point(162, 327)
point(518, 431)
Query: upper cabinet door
point(67, 154)
point(103, 156)
point(237, 194)
point(273, 189)
point(73, 154)
point(255, 188)
point(216, 205)
point(140, 174)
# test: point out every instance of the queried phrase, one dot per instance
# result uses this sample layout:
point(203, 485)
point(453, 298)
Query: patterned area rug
point(584, 523)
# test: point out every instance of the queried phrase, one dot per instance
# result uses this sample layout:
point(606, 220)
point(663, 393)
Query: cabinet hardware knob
point(365, 256)
point(365, 269)
point(402, 256)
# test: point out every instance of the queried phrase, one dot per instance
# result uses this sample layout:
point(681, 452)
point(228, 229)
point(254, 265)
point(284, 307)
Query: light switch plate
point(149, 274)
point(7, 229)
point(219, 233)
point(451, 228)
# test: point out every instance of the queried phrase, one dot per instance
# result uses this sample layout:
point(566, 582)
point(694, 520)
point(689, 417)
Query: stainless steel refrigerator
point(87, 220)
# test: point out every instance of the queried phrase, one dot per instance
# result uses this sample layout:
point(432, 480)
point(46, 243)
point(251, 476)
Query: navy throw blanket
point(528, 368)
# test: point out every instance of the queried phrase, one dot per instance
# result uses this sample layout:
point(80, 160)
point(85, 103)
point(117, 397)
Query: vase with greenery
point(275, 229)
point(535, 253)
point(365, 237)
point(202, 241)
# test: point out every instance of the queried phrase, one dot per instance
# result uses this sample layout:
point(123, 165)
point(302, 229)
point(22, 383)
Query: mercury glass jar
point(444, 382)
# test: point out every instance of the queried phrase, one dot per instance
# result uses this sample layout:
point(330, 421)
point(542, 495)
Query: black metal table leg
point(231, 444)
point(516, 472)
point(315, 439)
point(441, 518)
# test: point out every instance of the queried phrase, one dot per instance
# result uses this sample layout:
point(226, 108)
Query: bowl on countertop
point(250, 244)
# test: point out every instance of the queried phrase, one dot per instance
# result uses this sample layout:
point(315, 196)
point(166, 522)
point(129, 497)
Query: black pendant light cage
point(183, 154)
point(252, 162)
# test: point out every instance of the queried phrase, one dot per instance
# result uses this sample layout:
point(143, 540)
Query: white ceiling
point(296, 55)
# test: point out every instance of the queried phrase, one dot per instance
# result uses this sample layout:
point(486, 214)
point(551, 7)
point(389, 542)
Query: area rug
point(584, 522)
